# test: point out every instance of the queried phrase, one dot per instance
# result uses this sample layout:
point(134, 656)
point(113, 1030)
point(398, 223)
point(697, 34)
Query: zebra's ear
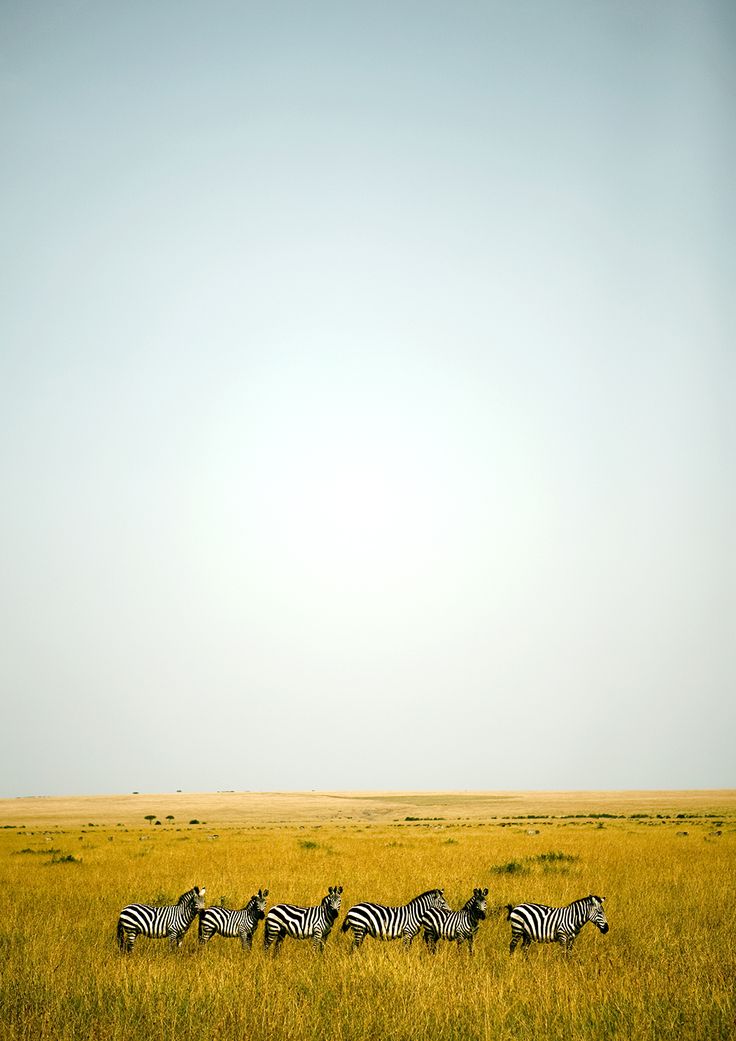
point(264, 893)
point(329, 890)
point(485, 891)
point(339, 889)
point(196, 889)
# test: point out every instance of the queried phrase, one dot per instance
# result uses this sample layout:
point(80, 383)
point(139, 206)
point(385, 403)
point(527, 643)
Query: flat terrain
point(665, 861)
point(322, 807)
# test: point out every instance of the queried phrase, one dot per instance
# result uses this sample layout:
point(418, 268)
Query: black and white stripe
point(460, 926)
point(242, 923)
point(554, 924)
point(171, 920)
point(302, 923)
point(390, 923)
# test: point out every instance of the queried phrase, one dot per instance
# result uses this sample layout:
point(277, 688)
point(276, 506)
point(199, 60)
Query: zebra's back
point(299, 922)
point(538, 921)
point(378, 920)
point(224, 921)
point(447, 924)
point(151, 921)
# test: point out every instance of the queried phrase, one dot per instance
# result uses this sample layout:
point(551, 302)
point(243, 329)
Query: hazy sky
point(367, 395)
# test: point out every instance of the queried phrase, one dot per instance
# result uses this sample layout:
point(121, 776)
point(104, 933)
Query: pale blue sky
point(367, 395)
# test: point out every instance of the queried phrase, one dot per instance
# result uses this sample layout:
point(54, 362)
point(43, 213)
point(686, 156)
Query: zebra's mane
point(429, 892)
point(584, 901)
point(184, 897)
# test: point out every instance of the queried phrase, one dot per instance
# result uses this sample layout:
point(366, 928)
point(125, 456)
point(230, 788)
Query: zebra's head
point(596, 914)
point(331, 902)
point(258, 903)
point(477, 903)
point(194, 898)
point(437, 899)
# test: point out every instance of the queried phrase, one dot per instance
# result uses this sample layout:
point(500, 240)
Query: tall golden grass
point(666, 969)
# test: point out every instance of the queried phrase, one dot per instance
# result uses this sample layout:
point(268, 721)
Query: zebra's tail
point(509, 909)
point(121, 935)
point(345, 925)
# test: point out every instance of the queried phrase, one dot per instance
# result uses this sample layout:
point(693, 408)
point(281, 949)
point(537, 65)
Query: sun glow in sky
point(367, 396)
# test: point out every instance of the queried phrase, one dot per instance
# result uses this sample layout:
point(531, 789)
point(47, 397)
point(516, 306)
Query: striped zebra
point(242, 923)
point(171, 920)
point(554, 924)
point(302, 923)
point(461, 926)
point(390, 923)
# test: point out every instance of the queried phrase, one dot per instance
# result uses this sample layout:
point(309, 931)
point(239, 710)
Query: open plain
point(665, 861)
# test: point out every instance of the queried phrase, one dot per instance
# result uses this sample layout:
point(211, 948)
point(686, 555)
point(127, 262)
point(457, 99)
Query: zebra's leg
point(430, 938)
point(358, 937)
point(174, 940)
point(318, 942)
point(526, 944)
point(129, 941)
point(279, 941)
point(471, 945)
point(246, 941)
point(409, 937)
point(515, 937)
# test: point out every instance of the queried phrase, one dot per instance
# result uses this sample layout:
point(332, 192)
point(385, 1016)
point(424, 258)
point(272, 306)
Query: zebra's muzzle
point(604, 927)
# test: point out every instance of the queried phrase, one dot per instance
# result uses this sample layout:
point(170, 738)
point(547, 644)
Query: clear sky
point(367, 395)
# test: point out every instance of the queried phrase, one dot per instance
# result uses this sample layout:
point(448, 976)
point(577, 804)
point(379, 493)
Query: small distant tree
point(170, 817)
point(158, 824)
point(150, 817)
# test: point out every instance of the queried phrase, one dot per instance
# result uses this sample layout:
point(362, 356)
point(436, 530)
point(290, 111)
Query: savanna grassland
point(665, 861)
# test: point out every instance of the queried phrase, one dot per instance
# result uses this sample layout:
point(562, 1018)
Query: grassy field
point(665, 862)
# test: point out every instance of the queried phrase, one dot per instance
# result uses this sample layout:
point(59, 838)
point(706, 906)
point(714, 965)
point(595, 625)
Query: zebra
point(554, 924)
point(171, 920)
point(302, 923)
point(455, 925)
point(388, 923)
point(242, 923)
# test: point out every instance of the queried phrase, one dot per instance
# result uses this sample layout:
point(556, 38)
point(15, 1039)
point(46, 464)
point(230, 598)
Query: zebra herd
point(429, 912)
